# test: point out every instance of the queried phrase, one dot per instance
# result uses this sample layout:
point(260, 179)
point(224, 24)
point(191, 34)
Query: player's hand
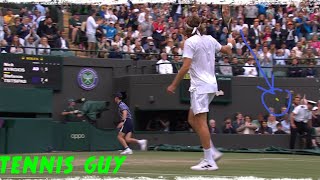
point(171, 89)
point(232, 41)
point(120, 125)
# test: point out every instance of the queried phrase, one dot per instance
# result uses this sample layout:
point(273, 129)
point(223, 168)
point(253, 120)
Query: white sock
point(208, 155)
point(140, 141)
point(213, 149)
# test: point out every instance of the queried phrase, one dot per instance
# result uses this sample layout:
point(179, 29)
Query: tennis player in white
point(199, 59)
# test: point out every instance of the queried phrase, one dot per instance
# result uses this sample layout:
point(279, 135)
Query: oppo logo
point(77, 136)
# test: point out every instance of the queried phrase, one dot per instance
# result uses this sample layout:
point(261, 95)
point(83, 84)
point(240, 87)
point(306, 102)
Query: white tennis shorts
point(200, 102)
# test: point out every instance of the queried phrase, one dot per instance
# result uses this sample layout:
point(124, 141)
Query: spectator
point(62, 42)
point(225, 67)
point(31, 42)
point(212, 127)
point(259, 120)
point(239, 121)
point(4, 48)
point(91, 28)
point(286, 124)
point(266, 62)
point(177, 62)
point(264, 129)
point(115, 52)
point(278, 35)
point(294, 70)
point(237, 69)
point(310, 72)
point(24, 28)
point(227, 128)
point(103, 48)
point(279, 58)
point(254, 34)
point(74, 27)
point(250, 70)
point(117, 41)
point(9, 18)
point(16, 46)
point(272, 122)
point(48, 30)
point(111, 31)
point(163, 65)
point(248, 127)
point(44, 47)
point(298, 49)
point(291, 36)
point(279, 129)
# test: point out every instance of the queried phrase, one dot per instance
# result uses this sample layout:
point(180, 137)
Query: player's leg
point(216, 154)
point(142, 142)
point(121, 138)
point(199, 107)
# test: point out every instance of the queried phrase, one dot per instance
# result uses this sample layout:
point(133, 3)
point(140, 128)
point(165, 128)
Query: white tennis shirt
point(202, 49)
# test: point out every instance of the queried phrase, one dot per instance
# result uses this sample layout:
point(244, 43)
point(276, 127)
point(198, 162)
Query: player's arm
point(182, 72)
point(227, 49)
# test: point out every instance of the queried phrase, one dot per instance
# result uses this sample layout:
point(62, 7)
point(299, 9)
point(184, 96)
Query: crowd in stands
point(278, 34)
point(268, 123)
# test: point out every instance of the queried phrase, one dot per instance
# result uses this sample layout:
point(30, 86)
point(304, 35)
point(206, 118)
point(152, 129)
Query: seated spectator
point(117, 41)
point(212, 127)
point(151, 52)
point(16, 46)
point(103, 48)
point(115, 52)
point(279, 58)
point(239, 120)
point(264, 129)
point(266, 63)
point(225, 67)
point(248, 127)
point(177, 62)
point(258, 121)
point(237, 69)
point(298, 49)
point(163, 65)
point(62, 42)
point(74, 27)
point(286, 123)
point(128, 48)
point(272, 122)
point(249, 68)
point(31, 41)
point(310, 72)
point(227, 128)
point(279, 129)
point(44, 47)
point(4, 48)
point(294, 70)
point(48, 29)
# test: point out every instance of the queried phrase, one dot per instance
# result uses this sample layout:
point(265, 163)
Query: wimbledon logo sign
point(88, 79)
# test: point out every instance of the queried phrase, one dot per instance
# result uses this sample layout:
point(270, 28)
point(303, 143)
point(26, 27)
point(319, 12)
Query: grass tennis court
point(170, 165)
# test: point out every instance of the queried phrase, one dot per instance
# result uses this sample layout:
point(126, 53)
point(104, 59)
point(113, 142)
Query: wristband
point(230, 45)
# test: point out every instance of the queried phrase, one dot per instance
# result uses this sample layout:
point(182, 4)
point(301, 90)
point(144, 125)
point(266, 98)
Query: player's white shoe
point(127, 151)
point(143, 144)
point(217, 155)
point(205, 165)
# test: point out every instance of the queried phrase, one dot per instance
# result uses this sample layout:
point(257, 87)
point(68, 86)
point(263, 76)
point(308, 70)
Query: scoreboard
point(36, 71)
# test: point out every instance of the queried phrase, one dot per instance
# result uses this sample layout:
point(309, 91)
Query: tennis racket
point(227, 18)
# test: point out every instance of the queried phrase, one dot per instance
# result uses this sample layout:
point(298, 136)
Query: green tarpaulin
point(275, 150)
